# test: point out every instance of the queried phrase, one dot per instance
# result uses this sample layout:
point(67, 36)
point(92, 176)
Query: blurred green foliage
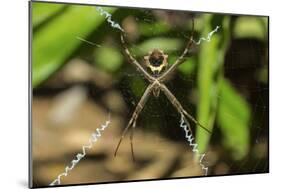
point(156, 28)
point(56, 28)
point(250, 27)
point(166, 44)
point(234, 120)
point(41, 12)
point(55, 41)
point(211, 58)
point(217, 97)
point(108, 58)
point(137, 85)
point(187, 67)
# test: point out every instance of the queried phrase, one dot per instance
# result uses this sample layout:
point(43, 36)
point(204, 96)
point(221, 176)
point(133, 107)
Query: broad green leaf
point(41, 12)
point(56, 41)
point(233, 119)
point(211, 59)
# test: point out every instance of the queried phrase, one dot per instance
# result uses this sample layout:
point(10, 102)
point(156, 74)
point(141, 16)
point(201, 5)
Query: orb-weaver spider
point(157, 62)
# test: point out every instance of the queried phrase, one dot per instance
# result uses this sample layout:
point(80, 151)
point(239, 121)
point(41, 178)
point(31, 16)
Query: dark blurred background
point(223, 84)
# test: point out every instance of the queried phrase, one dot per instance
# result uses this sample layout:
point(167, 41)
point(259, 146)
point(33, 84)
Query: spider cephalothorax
point(156, 61)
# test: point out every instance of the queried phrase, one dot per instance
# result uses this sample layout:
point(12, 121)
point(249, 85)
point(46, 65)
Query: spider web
point(244, 66)
point(244, 60)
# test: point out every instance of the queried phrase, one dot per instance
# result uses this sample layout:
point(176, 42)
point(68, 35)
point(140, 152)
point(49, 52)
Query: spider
point(157, 62)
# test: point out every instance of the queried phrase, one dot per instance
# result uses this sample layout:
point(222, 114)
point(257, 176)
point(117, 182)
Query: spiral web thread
point(185, 125)
point(94, 138)
point(209, 36)
point(108, 18)
point(192, 144)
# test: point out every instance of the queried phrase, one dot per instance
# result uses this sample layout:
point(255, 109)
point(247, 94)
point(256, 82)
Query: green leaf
point(165, 44)
point(211, 58)
point(187, 67)
point(56, 41)
point(233, 120)
point(41, 12)
point(157, 28)
point(108, 58)
point(250, 27)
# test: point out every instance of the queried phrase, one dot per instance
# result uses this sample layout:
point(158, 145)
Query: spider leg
point(131, 140)
point(179, 61)
point(179, 107)
point(134, 62)
point(134, 117)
